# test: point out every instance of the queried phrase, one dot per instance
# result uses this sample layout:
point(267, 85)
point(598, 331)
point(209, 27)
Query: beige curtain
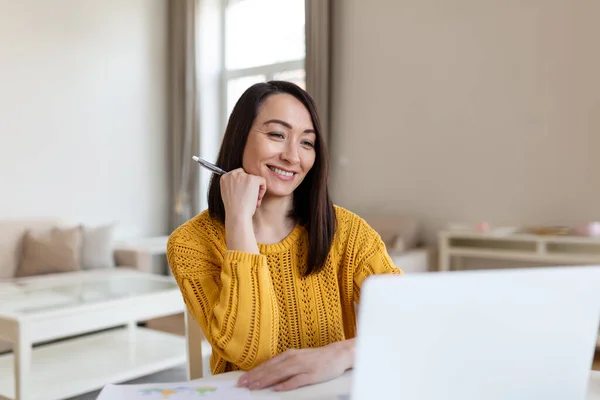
point(317, 64)
point(184, 130)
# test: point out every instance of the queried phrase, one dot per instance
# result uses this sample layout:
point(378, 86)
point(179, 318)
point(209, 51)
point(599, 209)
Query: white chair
point(198, 349)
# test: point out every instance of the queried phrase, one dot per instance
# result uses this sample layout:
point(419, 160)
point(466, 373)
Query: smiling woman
point(272, 270)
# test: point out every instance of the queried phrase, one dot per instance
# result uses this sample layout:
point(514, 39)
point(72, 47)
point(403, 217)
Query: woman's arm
point(231, 296)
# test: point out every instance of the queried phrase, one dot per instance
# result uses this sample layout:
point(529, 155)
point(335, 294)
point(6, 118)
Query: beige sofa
point(12, 233)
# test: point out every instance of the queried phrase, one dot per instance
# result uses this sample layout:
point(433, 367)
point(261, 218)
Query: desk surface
point(341, 386)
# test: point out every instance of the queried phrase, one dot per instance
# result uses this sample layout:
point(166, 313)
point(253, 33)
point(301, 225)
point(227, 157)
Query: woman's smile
point(283, 174)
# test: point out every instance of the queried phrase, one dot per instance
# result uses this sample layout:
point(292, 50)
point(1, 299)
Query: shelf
point(76, 366)
point(515, 255)
point(520, 237)
point(558, 250)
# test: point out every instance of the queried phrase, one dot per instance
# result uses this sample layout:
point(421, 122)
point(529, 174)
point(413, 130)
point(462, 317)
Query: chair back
point(198, 349)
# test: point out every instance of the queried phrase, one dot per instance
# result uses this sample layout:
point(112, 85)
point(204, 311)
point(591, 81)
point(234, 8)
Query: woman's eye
point(276, 135)
point(309, 144)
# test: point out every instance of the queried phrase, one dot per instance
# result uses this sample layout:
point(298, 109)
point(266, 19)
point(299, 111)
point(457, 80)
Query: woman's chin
point(278, 188)
point(275, 190)
point(278, 194)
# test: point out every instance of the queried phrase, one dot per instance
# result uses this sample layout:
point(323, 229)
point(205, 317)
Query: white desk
point(340, 386)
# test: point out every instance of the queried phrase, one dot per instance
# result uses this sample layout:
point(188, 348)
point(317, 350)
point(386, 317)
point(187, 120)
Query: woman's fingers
point(295, 382)
point(270, 372)
point(262, 189)
point(242, 193)
point(256, 373)
point(275, 375)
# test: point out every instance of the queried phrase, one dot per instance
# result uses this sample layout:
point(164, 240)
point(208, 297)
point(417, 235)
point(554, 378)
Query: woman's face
point(281, 144)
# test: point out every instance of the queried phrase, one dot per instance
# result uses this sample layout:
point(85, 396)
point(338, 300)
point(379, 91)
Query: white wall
point(83, 112)
point(468, 110)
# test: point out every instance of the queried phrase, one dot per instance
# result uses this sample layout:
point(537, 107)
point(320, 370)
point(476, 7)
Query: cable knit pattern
point(252, 307)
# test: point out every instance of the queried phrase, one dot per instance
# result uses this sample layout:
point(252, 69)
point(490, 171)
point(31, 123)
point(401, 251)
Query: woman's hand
point(242, 193)
point(296, 368)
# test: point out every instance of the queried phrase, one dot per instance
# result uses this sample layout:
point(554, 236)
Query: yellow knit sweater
point(252, 307)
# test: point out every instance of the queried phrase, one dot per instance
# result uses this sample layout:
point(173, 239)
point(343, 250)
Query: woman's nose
point(290, 154)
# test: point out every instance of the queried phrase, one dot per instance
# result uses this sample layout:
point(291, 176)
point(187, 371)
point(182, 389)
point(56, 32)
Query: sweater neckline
point(285, 244)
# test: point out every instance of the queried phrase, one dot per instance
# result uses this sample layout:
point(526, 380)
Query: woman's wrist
point(234, 220)
point(239, 233)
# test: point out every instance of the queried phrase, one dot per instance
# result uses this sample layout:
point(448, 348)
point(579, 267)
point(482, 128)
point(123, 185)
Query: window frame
point(268, 70)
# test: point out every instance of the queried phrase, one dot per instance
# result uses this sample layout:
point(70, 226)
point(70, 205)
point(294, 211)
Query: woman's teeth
point(282, 172)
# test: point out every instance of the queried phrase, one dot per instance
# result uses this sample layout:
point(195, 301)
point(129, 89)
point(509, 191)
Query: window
point(263, 40)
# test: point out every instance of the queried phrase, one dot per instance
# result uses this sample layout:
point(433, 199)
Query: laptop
point(513, 334)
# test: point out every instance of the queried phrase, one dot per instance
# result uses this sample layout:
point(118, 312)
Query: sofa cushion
point(11, 238)
point(56, 251)
point(98, 247)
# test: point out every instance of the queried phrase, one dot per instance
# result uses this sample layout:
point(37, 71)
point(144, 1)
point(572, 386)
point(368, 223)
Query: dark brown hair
point(312, 207)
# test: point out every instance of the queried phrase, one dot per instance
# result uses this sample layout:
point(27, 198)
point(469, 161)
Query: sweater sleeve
point(231, 296)
point(370, 257)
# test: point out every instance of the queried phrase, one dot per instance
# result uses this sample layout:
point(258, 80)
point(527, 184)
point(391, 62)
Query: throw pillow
point(45, 253)
point(97, 249)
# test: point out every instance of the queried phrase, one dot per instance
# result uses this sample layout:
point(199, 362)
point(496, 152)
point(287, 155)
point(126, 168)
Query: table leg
point(444, 259)
point(445, 263)
point(131, 330)
point(22, 357)
point(194, 338)
point(459, 263)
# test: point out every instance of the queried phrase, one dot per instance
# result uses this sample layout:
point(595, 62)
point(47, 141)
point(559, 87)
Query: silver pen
point(209, 166)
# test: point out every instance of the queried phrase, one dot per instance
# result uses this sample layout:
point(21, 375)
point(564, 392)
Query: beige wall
point(83, 112)
point(468, 110)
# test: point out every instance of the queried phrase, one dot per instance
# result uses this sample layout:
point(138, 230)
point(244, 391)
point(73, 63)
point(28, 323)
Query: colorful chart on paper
point(214, 390)
point(170, 393)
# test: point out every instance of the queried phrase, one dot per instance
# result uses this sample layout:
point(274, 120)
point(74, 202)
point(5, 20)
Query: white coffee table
point(103, 308)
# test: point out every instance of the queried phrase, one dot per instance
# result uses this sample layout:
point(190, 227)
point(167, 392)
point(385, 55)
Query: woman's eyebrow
point(287, 125)
point(278, 121)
